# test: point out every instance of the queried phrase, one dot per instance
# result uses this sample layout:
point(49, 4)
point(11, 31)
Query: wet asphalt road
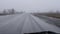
point(24, 23)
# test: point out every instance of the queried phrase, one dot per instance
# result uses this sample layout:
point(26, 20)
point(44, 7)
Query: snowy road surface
point(24, 23)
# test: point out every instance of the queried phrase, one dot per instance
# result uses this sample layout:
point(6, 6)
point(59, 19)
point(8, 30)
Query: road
point(24, 23)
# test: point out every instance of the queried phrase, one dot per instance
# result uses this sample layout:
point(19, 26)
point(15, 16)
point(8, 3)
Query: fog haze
point(26, 5)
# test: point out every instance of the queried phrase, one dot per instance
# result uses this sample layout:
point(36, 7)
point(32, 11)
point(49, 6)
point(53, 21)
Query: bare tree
point(12, 11)
point(4, 11)
point(58, 12)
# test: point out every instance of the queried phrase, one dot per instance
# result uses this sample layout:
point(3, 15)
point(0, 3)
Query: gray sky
point(42, 5)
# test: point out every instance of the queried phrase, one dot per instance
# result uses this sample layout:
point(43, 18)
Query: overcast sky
point(42, 5)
